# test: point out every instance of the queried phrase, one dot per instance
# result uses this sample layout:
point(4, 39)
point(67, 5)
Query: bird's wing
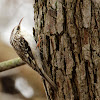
point(24, 51)
point(25, 48)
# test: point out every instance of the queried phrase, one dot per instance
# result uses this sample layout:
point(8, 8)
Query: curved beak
point(18, 27)
point(20, 22)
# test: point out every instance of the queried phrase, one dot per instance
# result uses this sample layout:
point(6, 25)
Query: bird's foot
point(39, 41)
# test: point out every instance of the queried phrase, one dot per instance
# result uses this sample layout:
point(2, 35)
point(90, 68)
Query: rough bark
point(70, 48)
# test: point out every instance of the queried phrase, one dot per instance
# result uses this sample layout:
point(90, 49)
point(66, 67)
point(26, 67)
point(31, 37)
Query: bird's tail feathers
point(43, 74)
point(46, 77)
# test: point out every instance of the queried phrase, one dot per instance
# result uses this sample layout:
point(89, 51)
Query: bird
point(26, 47)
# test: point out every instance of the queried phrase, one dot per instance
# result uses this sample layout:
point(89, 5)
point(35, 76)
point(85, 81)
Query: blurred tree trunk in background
point(70, 48)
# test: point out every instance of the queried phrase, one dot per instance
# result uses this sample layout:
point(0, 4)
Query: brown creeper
point(26, 47)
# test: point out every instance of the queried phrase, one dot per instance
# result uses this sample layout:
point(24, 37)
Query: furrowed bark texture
point(70, 47)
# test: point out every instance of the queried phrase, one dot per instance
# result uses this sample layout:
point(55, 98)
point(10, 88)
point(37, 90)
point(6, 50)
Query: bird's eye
point(18, 28)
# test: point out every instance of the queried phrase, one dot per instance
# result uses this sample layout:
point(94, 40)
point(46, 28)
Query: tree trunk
point(70, 47)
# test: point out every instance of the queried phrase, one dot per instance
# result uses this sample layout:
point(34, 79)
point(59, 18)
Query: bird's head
point(17, 28)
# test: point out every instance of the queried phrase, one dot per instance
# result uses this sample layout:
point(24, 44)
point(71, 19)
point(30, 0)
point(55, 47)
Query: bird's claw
point(39, 41)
